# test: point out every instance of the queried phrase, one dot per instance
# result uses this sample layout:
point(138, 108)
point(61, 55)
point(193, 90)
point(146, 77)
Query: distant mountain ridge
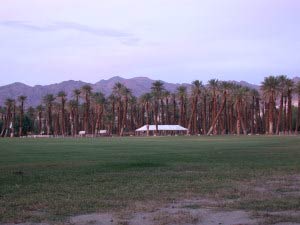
point(138, 85)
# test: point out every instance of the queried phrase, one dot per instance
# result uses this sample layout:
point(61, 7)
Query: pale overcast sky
point(48, 41)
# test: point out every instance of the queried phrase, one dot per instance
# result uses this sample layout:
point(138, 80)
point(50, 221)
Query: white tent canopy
point(162, 128)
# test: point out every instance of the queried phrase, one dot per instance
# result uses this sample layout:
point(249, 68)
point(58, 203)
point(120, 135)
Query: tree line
point(217, 108)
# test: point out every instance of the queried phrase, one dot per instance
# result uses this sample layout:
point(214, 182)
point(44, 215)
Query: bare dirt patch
point(187, 212)
point(273, 200)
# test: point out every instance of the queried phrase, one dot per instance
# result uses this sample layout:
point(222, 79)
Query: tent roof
point(162, 127)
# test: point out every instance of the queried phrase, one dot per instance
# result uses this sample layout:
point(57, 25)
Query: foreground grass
point(54, 178)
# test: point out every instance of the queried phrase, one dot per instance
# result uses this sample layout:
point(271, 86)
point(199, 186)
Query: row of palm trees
point(219, 107)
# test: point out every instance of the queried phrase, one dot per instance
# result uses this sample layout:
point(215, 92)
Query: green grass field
point(50, 179)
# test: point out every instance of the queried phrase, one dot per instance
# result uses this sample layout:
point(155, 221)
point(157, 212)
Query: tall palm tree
point(255, 114)
point(76, 93)
point(297, 90)
point(8, 123)
point(240, 94)
point(30, 117)
point(134, 105)
point(62, 95)
point(290, 89)
point(157, 92)
point(166, 96)
point(126, 92)
point(99, 101)
point(270, 89)
point(213, 86)
point(87, 90)
point(55, 114)
point(196, 91)
point(146, 99)
point(112, 101)
point(174, 106)
point(282, 80)
point(204, 109)
point(39, 110)
point(182, 93)
point(48, 100)
point(117, 91)
point(224, 86)
point(72, 106)
point(21, 99)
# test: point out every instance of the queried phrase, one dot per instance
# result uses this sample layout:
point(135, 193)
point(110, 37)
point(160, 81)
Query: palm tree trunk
point(162, 111)
point(193, 115)
point(21, 119)
point(40, 122)
point(113, 117)
point(124, 117)
point(13, 121)
point(147, 119)
point(279, 119)
point(174, 111)
point(181, 111)
point(63, 125)
point(213, 125)
point(298, 116)
point(204, 115)
point(49, 122)
point(290, 119)
point(238, 120)
point(167, 111)
point(155, 116)
point(285, 115)
point(214, 112)
point(271, 111)
point(258, 118)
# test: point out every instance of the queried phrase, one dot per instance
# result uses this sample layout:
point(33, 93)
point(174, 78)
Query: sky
point(49, 41)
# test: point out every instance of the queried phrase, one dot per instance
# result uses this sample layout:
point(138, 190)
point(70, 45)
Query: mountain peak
point(117, 78)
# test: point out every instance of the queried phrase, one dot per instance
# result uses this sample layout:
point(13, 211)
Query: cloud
point(125, 37)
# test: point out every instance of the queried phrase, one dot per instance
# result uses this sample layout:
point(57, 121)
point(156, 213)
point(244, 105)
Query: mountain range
point(138, 85)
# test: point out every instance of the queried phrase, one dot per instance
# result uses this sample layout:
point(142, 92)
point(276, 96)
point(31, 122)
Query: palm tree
point(254, 111)
point(270, 89)
point(112, 101)
point(62, 95)
point(21, 99)
point(213, 86)
point(30, 117)
point(126, 92)
point(181, 93)
point(297, 90)
point(166, 95)
point(72, 106)
point(48, 100)
point(39, 109)
point(55, 118)
point(282, 80)
point(76, 93)
point(87, 90)
point(146, 99)
point(8, 123)
point(117, 91)
point(240, 94)
point(133, 103)
point(224, 86)
point(174, 117)
point(157, 91)
point(99, 101)
point(196, 91)
point(204, 115)
point(290, 89)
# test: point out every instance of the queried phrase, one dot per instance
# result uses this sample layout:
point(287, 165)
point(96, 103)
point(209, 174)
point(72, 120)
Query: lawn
point(51, 179)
